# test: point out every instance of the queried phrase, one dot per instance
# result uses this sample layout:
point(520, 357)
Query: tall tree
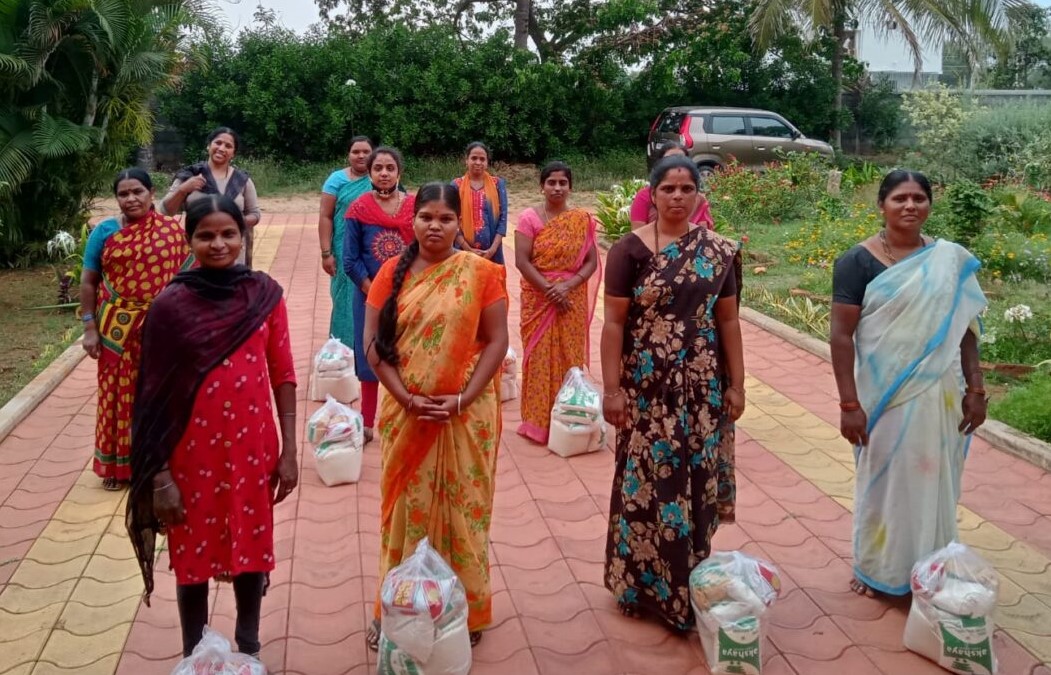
point(76, 81)
point(555, 29)
point(974, 24)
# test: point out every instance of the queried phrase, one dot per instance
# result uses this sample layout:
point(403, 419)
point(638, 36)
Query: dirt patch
point(28, 334)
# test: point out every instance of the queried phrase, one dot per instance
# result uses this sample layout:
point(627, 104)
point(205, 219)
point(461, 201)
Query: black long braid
point(386, 339)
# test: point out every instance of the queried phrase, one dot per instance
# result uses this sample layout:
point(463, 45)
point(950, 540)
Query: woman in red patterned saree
point(436, 335)
point(127, 262)
point(556, 254)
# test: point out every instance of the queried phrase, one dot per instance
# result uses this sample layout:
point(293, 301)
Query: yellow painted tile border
point(1024, 571)
point(45, 584)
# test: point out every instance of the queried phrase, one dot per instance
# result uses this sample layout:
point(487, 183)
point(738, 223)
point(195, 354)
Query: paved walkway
point(69, 588)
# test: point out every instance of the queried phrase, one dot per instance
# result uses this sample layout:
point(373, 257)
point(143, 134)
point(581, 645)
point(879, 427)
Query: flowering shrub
point(1015, 334)
point(819, 242)
point(1018, 313)
point(783, 190)
point(937, 116)
point(614, 208)
point(1014, 256)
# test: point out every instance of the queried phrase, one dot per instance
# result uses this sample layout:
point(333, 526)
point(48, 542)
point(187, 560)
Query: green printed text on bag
point(965, 645)
point(739, 647)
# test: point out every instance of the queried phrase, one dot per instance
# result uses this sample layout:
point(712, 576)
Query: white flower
point(62, 243)
point(988, 337)
point(1019, 313)
point(624, 211)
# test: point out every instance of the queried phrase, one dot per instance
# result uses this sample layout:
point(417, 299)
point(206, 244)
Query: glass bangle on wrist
point(325, 254)
point(87, 316)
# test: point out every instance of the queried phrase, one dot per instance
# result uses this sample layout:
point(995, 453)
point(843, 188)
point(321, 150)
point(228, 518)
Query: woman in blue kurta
point(483, 206)
point(378, 228)
point(337, 194)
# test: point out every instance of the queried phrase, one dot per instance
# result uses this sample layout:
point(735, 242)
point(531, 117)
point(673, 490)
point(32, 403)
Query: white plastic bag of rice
point(730, 592)
point(954, 594)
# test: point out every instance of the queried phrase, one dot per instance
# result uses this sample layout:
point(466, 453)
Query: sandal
point(111, 484)
point(476, 637)
point(372, 636)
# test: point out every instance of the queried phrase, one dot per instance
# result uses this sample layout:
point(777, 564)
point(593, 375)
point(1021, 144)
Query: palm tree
point(76, 80)
point(975, 24)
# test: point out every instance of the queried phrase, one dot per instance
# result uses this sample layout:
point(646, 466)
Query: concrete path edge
point(1005, 437)
point(39, 388)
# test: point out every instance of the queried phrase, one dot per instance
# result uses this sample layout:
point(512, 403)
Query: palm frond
point(17, 152)
point(56, 137)
point(769, 20)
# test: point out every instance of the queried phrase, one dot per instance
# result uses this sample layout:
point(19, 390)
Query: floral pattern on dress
point(674, 457)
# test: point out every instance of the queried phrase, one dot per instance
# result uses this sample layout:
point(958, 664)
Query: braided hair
point(386, 329)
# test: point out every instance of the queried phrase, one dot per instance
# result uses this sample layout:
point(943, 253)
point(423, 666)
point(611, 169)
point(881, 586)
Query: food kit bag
point(730, 592)
point(954, 594)
point(213, 656)
point(579, 401)
point(340, 451)
point(423, 609)
point(577, 426)
point(510, 366)
point(330, 414)
point(333, 373)
point(509, 388)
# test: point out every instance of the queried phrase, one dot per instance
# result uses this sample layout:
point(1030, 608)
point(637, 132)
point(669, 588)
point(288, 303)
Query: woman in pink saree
point(555, 250)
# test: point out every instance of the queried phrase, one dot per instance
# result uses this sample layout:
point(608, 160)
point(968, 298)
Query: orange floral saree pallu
point(437, 479)
point(138, 261)
point(554, 340)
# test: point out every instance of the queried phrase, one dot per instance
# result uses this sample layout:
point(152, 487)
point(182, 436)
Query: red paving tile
point(551, 614)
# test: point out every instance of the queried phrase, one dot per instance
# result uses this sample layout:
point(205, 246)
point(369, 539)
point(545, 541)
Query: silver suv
point(712, 135)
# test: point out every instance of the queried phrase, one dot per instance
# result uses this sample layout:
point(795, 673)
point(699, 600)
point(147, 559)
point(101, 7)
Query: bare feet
point(861, 588)
point(630, 611)
point(372, 636)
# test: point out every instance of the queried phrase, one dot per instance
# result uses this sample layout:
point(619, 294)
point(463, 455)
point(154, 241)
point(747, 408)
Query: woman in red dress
point(207, 464)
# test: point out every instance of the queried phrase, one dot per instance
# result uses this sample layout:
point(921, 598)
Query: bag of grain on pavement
point(333, 373)
point(730, 592)
point(954, 594)
point(423, 610)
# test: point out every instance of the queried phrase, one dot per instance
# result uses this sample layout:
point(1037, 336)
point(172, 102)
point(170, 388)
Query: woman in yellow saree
point(436, 334)
point(555, 252)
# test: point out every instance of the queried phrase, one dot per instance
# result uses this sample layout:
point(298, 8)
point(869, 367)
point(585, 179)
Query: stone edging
point(30, 396)
point(1006, 438)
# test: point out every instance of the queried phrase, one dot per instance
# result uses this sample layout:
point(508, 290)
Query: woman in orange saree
point(436, 334)
point(555, 252)
point(127, 262)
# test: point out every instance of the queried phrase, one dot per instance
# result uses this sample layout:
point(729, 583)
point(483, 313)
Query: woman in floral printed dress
point(673, 368)
point(436, 334)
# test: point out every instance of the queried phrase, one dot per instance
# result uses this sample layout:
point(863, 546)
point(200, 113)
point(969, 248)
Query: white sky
point(294, 14)
point(299, 14)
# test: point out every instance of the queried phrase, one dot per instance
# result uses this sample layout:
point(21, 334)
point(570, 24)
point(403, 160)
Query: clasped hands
point(558, 294)
point(434, 408)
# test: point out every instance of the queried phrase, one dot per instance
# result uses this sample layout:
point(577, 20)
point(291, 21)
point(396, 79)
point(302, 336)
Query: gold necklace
point(886, 246)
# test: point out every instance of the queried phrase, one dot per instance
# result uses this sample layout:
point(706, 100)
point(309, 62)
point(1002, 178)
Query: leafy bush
point(969, 206)
point(1002, 142)
point(1025, 407)
point(614, 207)
point(937, 117)
point(784, 190)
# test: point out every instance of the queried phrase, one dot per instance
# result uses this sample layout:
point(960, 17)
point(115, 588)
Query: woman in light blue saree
point(337, 194)
point(904, 341)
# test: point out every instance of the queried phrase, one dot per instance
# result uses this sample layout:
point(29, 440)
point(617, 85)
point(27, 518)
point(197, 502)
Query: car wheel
point(707, 171)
